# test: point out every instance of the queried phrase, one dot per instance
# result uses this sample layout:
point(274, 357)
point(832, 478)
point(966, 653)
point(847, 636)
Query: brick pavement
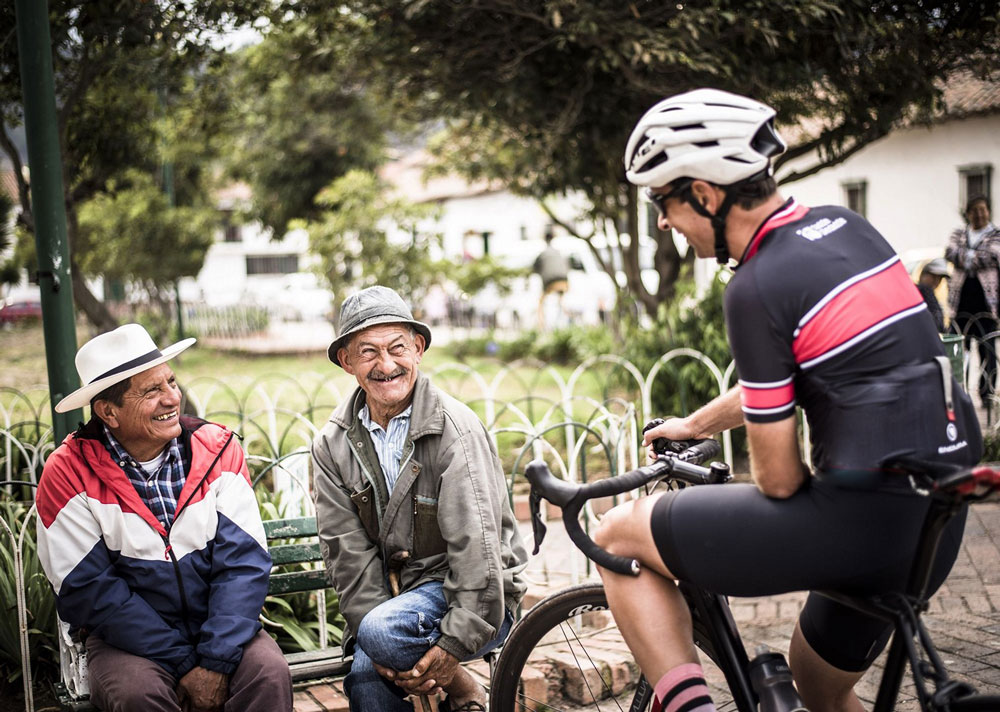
point(964, 616)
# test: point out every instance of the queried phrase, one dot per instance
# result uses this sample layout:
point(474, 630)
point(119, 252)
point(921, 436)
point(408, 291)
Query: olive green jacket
point(449, 509)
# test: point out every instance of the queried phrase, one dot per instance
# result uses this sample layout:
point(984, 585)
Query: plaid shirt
point(158, 491)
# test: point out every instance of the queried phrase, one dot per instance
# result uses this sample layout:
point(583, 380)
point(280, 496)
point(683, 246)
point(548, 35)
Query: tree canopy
point(542, 93)
point(115, 80)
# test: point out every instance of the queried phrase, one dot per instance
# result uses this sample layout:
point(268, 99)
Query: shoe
point(471, 706)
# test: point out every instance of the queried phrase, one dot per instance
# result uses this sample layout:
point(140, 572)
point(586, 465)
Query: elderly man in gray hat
point(410, 495)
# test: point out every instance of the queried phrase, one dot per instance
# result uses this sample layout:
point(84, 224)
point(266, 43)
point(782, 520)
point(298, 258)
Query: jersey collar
point(787, 213)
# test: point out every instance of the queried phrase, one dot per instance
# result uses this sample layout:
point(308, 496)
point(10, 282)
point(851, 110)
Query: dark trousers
point(976, 330)
point(122, 682)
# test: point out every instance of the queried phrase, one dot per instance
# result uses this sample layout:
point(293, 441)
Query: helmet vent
point(688, 127)
point(706, 144)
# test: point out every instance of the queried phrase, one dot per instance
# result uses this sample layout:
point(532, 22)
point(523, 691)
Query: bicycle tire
point(604, 668)
point(976, 703)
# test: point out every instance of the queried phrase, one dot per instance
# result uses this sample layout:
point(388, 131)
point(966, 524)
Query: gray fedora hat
point(370, 307)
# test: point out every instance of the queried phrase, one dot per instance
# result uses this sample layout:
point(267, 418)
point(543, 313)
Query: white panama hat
point(112, 357)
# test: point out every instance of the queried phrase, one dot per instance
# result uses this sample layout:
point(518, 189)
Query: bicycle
point(576, 618)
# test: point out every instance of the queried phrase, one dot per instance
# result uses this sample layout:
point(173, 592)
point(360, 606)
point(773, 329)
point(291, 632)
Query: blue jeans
point(396, 635)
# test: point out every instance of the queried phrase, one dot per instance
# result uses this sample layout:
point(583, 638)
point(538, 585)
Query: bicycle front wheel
point(567, 655)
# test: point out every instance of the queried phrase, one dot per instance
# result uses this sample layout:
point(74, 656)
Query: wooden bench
point(287, 577)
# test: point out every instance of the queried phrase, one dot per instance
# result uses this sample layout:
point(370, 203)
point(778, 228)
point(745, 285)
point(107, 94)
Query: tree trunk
point(94, 309)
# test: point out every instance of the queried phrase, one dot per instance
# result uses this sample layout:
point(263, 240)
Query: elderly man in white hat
point(411, 497)
point(150, 534)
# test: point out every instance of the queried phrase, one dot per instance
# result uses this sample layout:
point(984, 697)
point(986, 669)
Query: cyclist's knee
point(623, 525)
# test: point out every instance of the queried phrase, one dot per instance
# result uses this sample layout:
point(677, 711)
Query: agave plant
point(39, 599)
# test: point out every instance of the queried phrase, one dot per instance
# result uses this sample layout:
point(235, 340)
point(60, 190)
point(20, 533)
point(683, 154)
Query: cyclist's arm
point(775, 461)
point(722, 413)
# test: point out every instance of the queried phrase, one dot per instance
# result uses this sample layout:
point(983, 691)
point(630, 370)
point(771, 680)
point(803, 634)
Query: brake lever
point(538, 527)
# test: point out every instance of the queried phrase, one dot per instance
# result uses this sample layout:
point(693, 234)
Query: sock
point(683, 689)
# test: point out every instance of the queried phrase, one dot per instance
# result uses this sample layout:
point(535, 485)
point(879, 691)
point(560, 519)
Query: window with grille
point(272, 264)
point(975, 180)
point(856, 196)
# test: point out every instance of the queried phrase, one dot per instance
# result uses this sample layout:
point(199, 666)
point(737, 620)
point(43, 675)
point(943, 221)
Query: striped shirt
point(388, 444)
point(158, 490)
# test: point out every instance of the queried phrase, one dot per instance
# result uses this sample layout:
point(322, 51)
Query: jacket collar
point(426, 416)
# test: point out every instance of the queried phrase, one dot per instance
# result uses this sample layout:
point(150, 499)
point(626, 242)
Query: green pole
point(48, 207)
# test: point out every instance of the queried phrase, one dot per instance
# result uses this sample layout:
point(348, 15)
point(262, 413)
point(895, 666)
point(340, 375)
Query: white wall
point(913, 180)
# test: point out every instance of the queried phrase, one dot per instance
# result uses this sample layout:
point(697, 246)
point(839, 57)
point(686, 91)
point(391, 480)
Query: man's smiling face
point(384, 360)
point(149, 416)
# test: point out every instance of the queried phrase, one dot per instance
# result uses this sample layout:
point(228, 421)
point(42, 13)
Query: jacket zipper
point(168, 552)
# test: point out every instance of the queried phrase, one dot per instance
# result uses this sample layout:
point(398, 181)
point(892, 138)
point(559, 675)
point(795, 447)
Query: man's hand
point(432, 673)
point(671, 429)
point(202, 690)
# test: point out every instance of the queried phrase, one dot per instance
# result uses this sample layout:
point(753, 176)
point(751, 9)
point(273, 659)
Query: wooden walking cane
point(396, 562)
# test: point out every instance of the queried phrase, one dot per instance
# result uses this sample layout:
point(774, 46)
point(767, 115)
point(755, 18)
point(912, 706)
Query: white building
point(912, 185)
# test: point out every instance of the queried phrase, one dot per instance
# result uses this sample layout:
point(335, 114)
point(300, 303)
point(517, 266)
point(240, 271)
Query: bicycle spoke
point(591, 660)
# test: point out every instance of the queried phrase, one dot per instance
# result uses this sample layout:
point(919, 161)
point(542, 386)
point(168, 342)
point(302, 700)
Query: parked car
point(15, 312)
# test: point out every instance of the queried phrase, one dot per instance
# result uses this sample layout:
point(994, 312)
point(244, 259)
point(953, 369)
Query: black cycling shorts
point(734, 540)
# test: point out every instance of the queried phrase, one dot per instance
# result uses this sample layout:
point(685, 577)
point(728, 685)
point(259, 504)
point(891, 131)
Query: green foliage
point(10, 269)
point(565, 346)
point(303, 115)
point(350, 238)
point(541, 94)
point(473, 276)
point(129, 232)
point(991, 446)
point(114, 82)
point(43, 645)
point(295, 616)
point(685, 384)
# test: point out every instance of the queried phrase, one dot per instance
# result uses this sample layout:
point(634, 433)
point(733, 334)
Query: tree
point(304, 113)
point(110, 77)
point(354, 246)
point(130, 233)
point(542, 93)
point(10, 272)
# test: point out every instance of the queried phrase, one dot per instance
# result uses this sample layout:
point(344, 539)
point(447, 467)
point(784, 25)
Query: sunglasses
point(659, 200)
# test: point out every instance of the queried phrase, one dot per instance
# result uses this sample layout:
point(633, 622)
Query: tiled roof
point(965, 94)
point(8, 184)
point(406, 175)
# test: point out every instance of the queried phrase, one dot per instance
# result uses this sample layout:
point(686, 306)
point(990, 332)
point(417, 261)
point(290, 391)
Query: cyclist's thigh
point(734, 540)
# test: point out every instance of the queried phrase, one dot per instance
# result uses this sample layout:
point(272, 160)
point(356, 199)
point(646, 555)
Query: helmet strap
point(718, 221)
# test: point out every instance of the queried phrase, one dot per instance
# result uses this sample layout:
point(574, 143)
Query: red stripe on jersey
point(791, 213)
point(859, 307)
point(761, 398)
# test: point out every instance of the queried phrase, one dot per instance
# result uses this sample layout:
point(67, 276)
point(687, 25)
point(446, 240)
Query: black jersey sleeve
point(762, 349)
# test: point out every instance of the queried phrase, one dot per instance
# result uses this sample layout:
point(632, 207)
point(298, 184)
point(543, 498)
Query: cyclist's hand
point(671, 429)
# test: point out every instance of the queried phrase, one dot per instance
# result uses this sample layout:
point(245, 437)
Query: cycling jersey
point(822, 314)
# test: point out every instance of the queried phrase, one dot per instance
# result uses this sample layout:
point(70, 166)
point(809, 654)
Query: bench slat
point(295, 553)
point(290, 528)
point(295, 581)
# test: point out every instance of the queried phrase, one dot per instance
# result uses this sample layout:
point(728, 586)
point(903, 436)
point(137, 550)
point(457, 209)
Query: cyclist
point(820, 314)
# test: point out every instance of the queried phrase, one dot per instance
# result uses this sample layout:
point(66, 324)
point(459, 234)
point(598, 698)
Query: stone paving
point(964, 616)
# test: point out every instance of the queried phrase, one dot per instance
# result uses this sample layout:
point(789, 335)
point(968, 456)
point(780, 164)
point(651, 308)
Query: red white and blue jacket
point(184, 598)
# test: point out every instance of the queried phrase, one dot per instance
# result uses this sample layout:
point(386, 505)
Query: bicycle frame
point(713, 610)
point(903, 611)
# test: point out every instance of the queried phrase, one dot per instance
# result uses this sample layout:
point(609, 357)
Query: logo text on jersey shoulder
point(821, 228)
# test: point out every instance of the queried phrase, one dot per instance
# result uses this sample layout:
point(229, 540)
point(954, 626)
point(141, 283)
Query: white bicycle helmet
point(705, 134)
